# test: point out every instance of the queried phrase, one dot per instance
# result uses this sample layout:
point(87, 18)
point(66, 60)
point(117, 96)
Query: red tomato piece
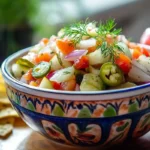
point(123, 62)
point(65, 46)
point(92, 49)
point(136, 53)
point(28, 76)
point(69, 85)
point(82, 63)
point(43, 57)
point(145, 52)
point(56, 85)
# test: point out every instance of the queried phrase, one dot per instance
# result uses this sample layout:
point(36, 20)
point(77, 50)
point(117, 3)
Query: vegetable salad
point(85, 56)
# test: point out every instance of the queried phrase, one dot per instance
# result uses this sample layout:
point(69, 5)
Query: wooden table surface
point(23, 138)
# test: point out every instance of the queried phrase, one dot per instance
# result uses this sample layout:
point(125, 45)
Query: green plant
point(16, 27)
point(17, 12)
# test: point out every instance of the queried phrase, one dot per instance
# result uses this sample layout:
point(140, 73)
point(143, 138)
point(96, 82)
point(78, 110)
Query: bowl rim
point(7, 75)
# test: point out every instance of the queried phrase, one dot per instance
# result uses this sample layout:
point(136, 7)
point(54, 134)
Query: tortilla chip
point(4, 100)
point(5, 130)
point(2, 88)
point(8, 120)
point(8, 112)
point(4, 106)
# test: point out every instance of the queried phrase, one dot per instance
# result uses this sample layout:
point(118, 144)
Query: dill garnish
point(78, 30)
point(111, 50)
point(75, 32)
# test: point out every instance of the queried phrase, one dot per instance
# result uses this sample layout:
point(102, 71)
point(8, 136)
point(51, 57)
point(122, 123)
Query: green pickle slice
point(25, 62)
point(111, 74)
point(91, 82)
point(41, 69)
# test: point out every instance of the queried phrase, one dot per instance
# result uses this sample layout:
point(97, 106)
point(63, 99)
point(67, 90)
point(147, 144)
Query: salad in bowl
point(84, 57)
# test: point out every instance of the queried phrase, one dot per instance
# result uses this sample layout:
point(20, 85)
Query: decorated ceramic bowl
point(80, 118)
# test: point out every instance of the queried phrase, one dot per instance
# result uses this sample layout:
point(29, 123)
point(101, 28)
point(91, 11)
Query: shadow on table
point(37, 142)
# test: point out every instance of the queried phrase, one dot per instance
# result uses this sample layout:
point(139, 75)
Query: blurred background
point(24, 22)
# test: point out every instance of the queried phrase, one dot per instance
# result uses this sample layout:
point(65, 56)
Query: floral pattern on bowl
point(143, 126)
point(101, 132)
point(89, 134)
point(54, 131)
point(78, 108)
point(119, 131)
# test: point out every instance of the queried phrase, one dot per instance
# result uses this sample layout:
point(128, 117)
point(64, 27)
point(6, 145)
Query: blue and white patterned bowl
point(80, 118)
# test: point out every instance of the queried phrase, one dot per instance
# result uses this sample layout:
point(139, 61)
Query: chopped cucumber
point(19, 70)
point(97, 57)
point(63, 75)
point(64, 62)
point(91, 82)
point(58, 62)
point(55, 63)
point(45, 83)
point(87, 87)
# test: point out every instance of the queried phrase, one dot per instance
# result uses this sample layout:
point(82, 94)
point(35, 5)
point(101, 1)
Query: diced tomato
point(45, 40)
point(92, 49)
point(56, 85)
point(123, 62)
point(28, 76)
point(145, 52)
point(38, 81)
point(65, 46)
point(82, 63)
point(43, 57)
point(69, 85)
point(136, 53)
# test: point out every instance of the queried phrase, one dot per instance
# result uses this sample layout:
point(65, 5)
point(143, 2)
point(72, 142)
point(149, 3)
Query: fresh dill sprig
point(77, 31)
point(108, 50)
point(108, 28)
point(111, 50)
